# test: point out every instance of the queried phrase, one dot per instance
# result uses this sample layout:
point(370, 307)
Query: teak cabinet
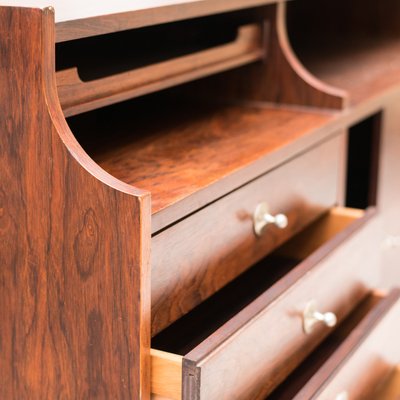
point(199, 200)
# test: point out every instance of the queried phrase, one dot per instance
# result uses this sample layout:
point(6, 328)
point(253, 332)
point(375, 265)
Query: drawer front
point(197, 256)
point(253, 352)
point(361, 363)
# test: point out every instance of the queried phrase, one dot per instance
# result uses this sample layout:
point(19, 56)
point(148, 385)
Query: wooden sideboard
point(199, 199)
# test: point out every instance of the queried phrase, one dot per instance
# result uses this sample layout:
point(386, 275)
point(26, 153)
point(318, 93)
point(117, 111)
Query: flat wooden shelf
point(76, 19)
point(364, 67)
point(182, 154)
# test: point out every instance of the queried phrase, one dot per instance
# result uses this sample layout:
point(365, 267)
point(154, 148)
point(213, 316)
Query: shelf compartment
point(188, 153)
point(93, 83)
point(354, 46)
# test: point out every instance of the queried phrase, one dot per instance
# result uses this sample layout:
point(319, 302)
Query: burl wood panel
point(197, 256)
point(364, 359)
point(74, 297)
point(253, 352)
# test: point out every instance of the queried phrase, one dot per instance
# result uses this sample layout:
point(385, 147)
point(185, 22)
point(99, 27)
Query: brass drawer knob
point(262, 218)
point(312, 316)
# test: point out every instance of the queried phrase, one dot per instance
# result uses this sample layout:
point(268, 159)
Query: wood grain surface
point(74, 242)
point(189, 156)
point(197, 256)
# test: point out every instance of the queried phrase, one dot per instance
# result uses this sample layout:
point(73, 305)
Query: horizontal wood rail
point(77, 96)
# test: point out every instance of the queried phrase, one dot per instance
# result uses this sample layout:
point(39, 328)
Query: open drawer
point(200, 254)
point(359, 359)
point(245, 340)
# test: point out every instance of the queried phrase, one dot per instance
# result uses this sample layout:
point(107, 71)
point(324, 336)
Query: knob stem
point(312, 316)
point(262, 217)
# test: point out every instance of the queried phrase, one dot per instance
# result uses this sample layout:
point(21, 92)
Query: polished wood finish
point(213, 246)
point(75, 241)
point(253, 364)
point(367, 355)
point(74, 298)
point(192, 156)
point(77, 96)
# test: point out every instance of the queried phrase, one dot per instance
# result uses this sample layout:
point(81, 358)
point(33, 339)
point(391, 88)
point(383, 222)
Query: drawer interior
point(171, 345)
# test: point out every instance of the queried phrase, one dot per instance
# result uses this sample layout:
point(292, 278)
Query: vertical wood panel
point(74, 319)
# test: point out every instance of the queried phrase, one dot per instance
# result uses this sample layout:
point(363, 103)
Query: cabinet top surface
point(75, 19)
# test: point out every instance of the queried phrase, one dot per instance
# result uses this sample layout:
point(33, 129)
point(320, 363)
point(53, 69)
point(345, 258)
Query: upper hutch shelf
point(364, 67)
point(76, 19)
point(357, 48)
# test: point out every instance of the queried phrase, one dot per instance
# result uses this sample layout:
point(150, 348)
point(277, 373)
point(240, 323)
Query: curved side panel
point(280, 78)
point(74, 242)
point(293, 84)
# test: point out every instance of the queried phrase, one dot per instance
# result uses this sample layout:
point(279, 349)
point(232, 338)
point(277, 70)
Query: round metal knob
point(312, 316)
point(262, 218)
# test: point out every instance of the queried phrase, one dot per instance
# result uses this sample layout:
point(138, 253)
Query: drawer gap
point(190, 330)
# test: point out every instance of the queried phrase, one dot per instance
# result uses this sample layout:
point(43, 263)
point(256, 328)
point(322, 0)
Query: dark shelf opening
point(363, 162)
point(190, 330)
point(100, 56)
